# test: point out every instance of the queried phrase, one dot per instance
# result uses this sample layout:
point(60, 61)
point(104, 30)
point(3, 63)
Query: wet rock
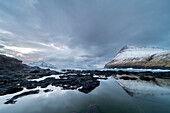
point(29, 84)
point(5, 91)
point(146, 78)
point(128, 78)
point(13, 72)
point(35, 71)
point(13, 99)
point(89, 85)
point(48, 90)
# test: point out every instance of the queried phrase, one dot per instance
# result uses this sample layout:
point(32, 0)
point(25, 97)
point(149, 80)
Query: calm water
point(109, 97)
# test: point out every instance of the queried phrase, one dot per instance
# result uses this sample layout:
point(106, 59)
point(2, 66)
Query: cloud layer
point(81, 33)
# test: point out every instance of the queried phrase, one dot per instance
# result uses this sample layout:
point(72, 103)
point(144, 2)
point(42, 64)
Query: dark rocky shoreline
point(15, 76)
point(139, 67)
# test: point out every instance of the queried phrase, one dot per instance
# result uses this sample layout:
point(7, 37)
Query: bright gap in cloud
point(22, 50)
point(60, 48)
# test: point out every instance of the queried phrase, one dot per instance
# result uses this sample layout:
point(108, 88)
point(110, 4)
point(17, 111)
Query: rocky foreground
point(141, 57)
point(15, 76)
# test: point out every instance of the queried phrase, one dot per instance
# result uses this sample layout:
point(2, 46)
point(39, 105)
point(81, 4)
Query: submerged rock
point(128, 78)
point(14, 99)
point(48, 90)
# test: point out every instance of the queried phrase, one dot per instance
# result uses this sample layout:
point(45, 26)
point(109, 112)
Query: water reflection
point(87, 81)
point(135, 86)
point(116, 93)
point(109, 97)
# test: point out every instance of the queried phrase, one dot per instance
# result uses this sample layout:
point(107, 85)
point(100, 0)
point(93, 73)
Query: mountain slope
point(41, 64)
point(140, 57)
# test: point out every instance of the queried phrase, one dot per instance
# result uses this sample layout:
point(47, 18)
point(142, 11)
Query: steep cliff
point(140, 57)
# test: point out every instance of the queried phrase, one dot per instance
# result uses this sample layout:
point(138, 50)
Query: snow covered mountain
point(140, 57)
point(41, 64)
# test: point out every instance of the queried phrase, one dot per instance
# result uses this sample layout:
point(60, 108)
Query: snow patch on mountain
point(132, 53)
point(141, 56)
point(42, 64)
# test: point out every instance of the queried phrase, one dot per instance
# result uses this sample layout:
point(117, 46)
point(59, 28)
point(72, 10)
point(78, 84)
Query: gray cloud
point(82, 33)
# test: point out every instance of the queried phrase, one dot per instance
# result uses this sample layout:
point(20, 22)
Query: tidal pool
point(108, 97)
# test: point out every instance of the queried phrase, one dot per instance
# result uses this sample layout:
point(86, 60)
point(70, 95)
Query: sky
point(80, 33)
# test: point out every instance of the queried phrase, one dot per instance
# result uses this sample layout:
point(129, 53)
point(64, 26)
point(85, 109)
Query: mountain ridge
point(42, 64)
point(141, 57)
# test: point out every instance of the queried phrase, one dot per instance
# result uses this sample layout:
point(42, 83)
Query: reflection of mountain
point(140, 57)
point(42, 64)
point(144, 88)
point(82, 80)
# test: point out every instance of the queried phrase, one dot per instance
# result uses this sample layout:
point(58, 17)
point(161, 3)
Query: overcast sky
point(81, 33)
